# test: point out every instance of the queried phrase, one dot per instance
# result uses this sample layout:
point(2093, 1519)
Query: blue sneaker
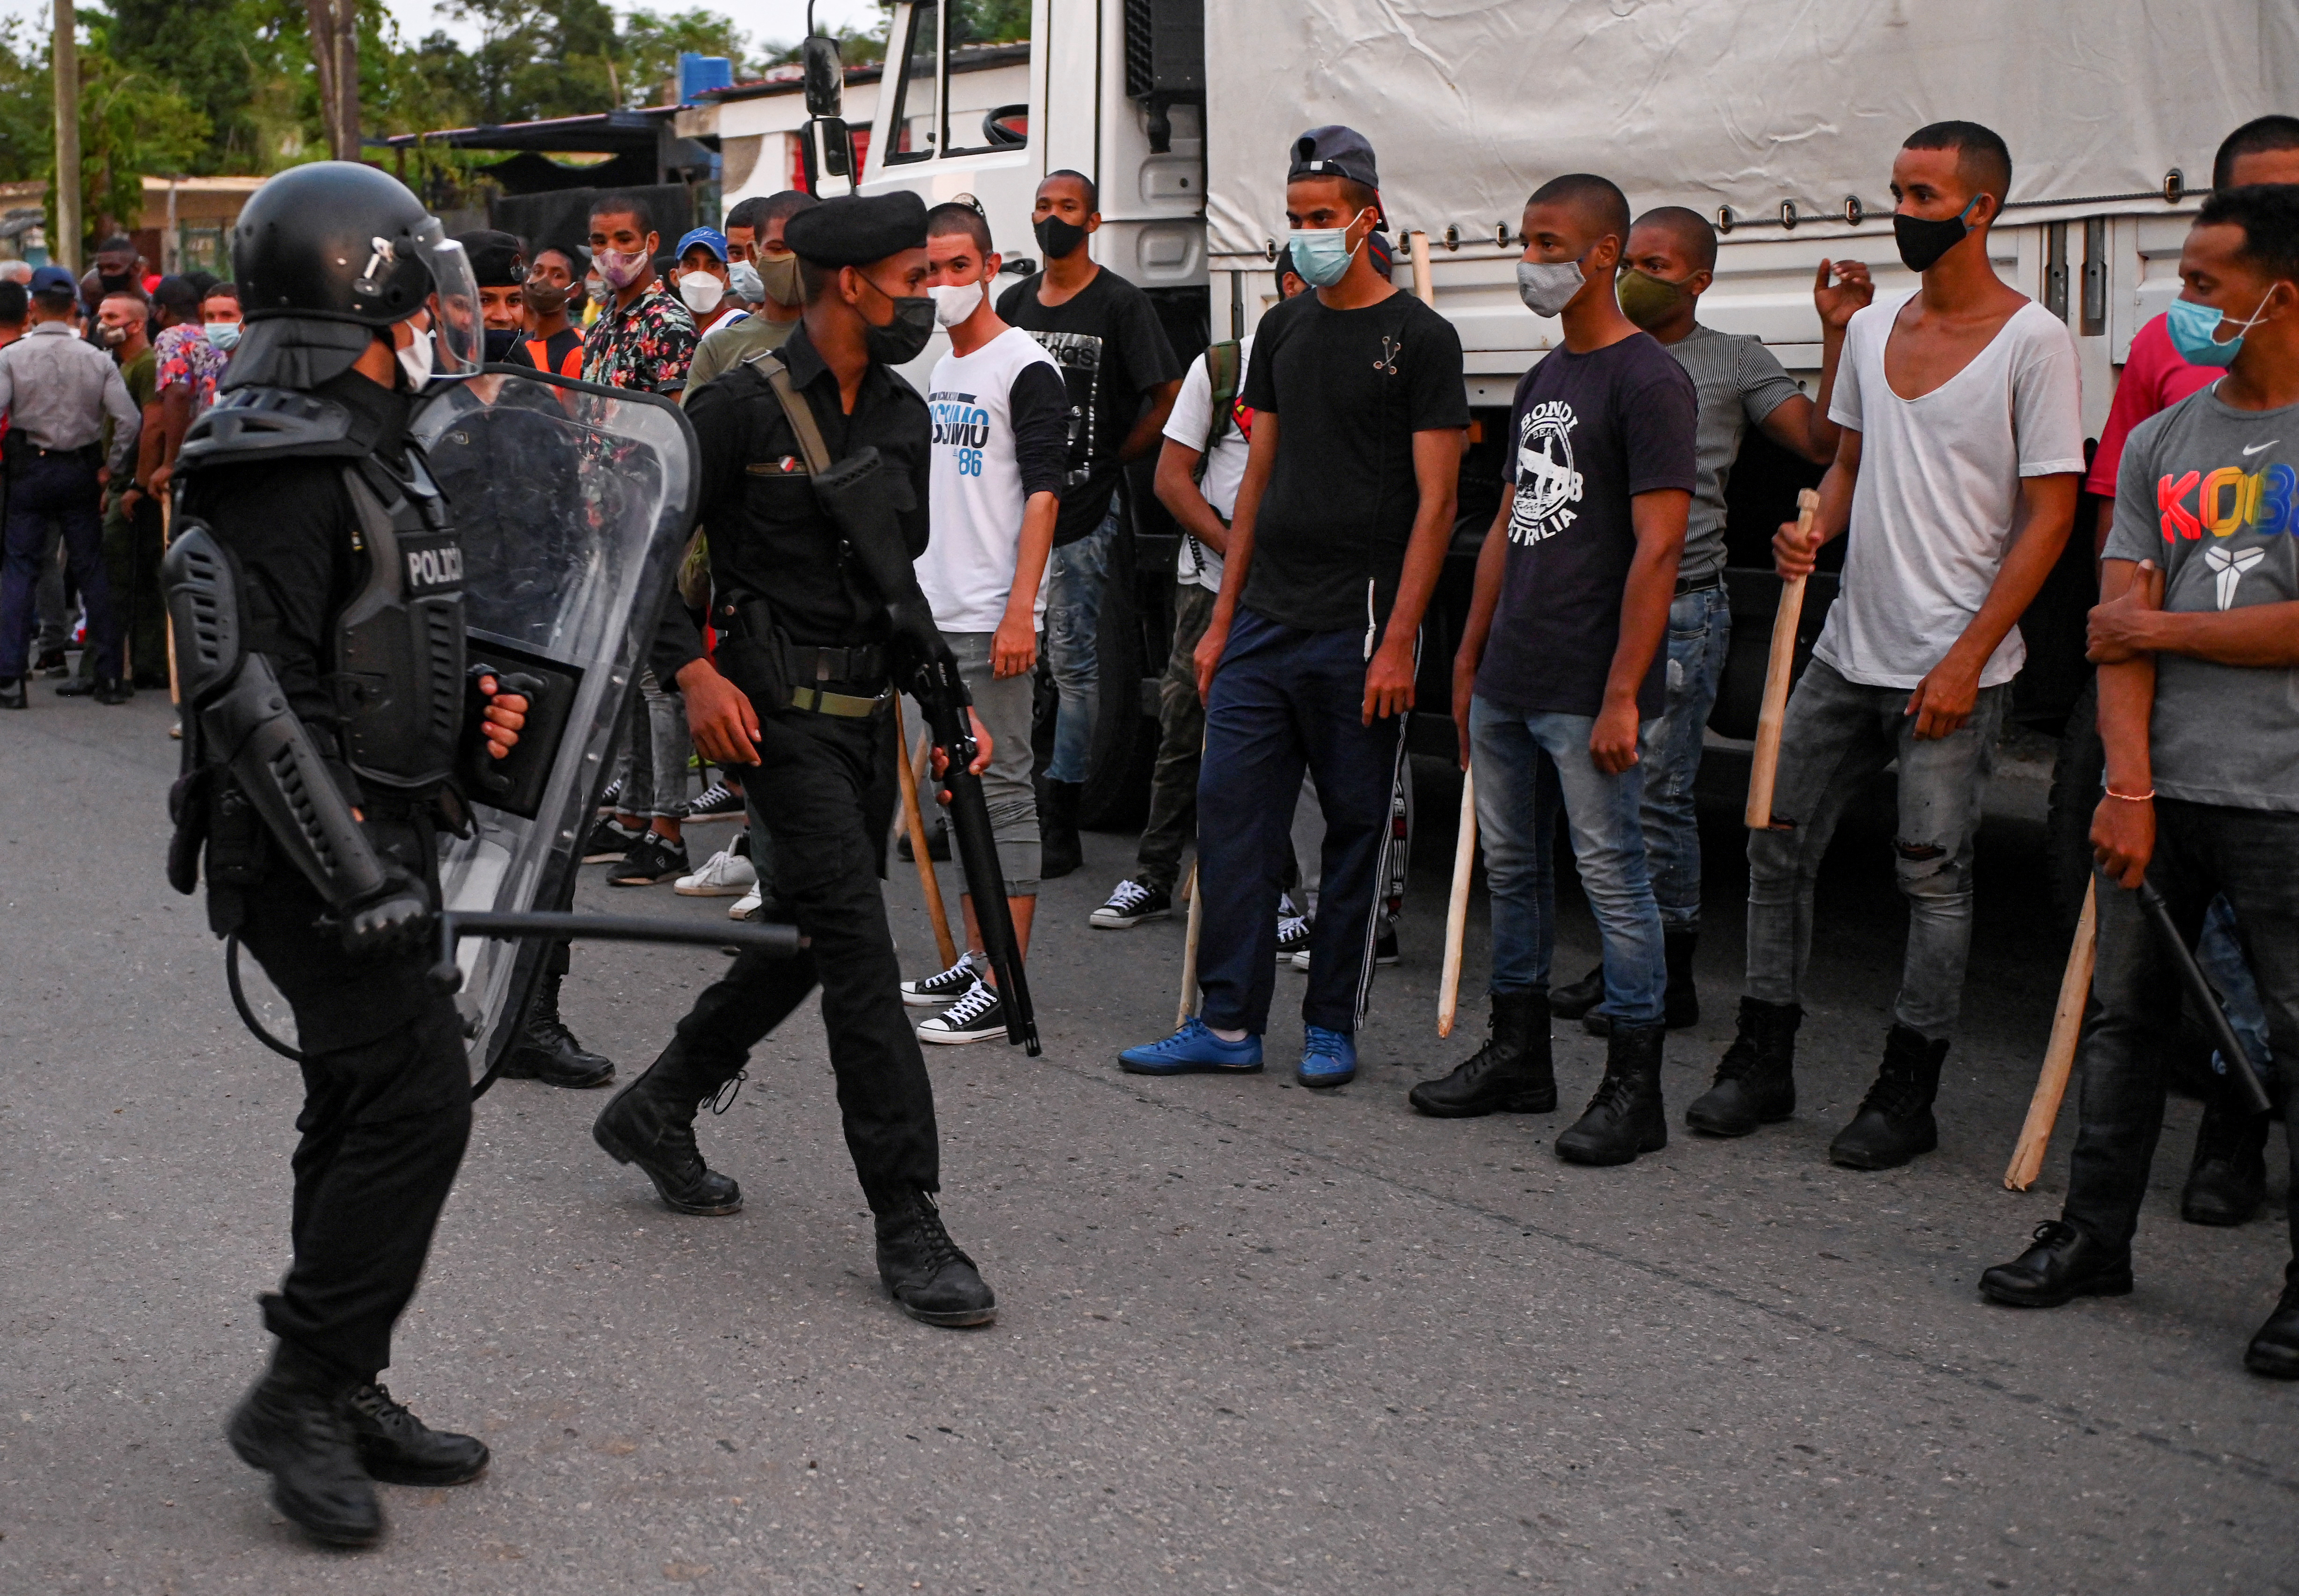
point(1328, 1058)
point(1193, 1050)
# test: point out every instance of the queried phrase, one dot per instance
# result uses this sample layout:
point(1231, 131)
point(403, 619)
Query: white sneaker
point(726, 875)
point(947, 987)
point(748, 904)
point(978, 1017)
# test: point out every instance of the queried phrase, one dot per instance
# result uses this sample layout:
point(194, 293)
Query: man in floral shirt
point(643, 337)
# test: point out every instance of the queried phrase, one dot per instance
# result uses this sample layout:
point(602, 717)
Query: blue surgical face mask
point(2194, 328)
point(222, 335)
point(1321, 255)
point(748, 285)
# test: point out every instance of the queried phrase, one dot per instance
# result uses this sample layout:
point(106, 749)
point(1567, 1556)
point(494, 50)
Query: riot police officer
point(315, 586)
point(818, 611)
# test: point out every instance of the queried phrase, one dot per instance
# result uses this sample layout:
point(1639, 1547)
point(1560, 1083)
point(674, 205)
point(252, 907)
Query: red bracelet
point(2147, 797)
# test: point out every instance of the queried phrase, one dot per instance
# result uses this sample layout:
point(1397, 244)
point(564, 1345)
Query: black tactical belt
point(807, 663)
point(1684, 584)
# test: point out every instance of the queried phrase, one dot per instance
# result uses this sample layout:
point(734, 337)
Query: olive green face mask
point(1647, 300)
point(780, 275)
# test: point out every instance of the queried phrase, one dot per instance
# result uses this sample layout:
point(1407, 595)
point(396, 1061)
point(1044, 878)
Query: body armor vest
point(397, 676)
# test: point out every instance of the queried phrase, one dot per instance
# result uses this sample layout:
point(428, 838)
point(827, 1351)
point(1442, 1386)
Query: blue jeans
point(1839, 736)
point(1286, 698)
point(1527, 767)
point(63, 489)
point(1074, 575)
point(1699, 633)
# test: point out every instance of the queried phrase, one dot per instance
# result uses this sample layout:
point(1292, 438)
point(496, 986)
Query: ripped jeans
point(1838, 737)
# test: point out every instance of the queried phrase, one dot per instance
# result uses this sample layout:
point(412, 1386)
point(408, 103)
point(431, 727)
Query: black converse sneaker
point(1293, 931)
point(721, 803)
point(978, 1017)
point(1131, 902)
point(939, 991)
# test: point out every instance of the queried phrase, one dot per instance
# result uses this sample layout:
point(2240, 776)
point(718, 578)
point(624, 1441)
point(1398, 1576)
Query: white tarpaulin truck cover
point(1471, 104)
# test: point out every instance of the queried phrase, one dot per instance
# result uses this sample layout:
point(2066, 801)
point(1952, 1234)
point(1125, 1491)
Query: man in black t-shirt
point(1561, 668)
point(1339, 530)
point(1122, 377)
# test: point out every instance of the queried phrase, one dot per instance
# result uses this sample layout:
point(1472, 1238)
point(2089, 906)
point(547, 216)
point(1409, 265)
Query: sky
point(762, 20)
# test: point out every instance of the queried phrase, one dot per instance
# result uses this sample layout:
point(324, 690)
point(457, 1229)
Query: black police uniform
point(783, 578)
point(314, 583)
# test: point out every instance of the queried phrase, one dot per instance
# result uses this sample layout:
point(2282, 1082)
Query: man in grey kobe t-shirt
point(1672, 260)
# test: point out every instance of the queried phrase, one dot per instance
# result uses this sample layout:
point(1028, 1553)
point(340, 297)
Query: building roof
point(601, 133)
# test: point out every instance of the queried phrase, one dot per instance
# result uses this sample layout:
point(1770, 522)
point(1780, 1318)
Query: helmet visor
point(458, 332)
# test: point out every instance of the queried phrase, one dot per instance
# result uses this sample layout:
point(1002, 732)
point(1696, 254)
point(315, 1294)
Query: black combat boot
point(1574, 1000)
point(547, 1051)
point(1059, 851)
point(2228, 1181)
point(1895, 1121)
point(924, 1269)
point(1625, 1117)
point(2274, 1351)
point(1680, 1008)
point(399, 1449)
point(1512, 1071)
point(295, 1424)
point(1756, 1079)
point(651, 1123)
point(2060, 1264)
point(12, 694)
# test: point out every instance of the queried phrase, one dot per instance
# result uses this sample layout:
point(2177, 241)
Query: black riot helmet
point(335, 242)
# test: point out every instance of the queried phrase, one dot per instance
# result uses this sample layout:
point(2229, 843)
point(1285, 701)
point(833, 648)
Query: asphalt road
point(1251, 1338)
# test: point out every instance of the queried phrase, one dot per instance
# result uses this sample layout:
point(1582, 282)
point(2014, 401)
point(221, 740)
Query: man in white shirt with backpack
point(1000, 446)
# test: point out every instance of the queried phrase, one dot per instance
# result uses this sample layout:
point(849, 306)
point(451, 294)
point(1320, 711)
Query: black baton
point(2199, 987)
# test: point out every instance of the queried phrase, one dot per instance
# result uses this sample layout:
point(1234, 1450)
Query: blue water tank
point(699, 73)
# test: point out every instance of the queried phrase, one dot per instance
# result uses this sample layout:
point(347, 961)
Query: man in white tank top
point(1956, 478)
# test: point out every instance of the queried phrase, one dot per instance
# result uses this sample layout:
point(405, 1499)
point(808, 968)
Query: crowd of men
point(1312, 470)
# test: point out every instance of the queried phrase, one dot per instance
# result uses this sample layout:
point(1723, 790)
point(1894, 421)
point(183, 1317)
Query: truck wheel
point(2076, 776)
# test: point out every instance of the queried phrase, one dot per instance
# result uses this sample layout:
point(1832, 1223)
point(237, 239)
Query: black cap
point(498, 260)
point(1334, 151)
point(856, 230)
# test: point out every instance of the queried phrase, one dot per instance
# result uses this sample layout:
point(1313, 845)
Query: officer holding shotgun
point(814, 462)
point(315, 584)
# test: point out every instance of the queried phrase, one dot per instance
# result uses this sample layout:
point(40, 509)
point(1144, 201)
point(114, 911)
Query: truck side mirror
point(825, 77)
point(837, 146)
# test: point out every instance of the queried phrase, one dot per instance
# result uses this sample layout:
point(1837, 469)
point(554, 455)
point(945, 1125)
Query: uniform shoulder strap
point(769, 365)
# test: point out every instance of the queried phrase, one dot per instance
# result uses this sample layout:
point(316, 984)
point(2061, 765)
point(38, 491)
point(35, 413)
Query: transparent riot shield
point(574, 503)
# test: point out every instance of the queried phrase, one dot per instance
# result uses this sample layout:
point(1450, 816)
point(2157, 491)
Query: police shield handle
point(2059, 1056)
point(1424, 287)
point(945, 948)
point(1457, 908)
point(1777, 672)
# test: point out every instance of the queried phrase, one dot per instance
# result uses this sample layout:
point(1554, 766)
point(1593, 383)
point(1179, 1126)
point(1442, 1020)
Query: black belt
point(1685, 585)
point(861, 663)
point(92, 454)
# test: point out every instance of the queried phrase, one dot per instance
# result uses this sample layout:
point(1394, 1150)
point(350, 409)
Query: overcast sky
point(762, 20)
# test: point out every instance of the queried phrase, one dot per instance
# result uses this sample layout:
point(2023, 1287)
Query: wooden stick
point(2060, 1056)
point(1777, 672)
point(1424, 283)
point(1189, 1004)
point(946, 948)
point(1457, 908)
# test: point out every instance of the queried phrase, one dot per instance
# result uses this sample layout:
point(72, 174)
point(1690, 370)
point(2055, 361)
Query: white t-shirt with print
point(1939, 488)
point(1191, 417)
point(1001, 428)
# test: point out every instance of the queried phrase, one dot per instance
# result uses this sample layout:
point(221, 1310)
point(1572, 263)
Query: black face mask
point(500, 341)
point(1922, 242)
point(1058, 239)
point(115, 282)
point(900, 341)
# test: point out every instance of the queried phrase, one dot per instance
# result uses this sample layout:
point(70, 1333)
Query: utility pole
point(334, 53)
point(63, 249)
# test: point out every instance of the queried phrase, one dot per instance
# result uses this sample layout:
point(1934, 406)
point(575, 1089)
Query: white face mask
point(955, 301)
point(748, 285)
point(701, 291)
point(415, 360)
